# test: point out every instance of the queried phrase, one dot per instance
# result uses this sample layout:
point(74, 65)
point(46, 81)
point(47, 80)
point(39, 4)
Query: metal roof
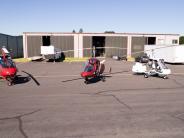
point(52, 33)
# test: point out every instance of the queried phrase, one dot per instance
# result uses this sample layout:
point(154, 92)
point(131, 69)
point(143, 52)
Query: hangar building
point(105, 44)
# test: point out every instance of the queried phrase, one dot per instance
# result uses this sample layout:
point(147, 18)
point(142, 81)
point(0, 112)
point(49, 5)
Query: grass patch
point(71, 59)
point(22, 60)
point(132, 59)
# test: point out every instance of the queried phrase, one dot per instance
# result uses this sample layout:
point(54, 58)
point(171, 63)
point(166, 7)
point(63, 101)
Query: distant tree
point(181, 40)
point(73, 31)
point(109, 32)
point(81, 30)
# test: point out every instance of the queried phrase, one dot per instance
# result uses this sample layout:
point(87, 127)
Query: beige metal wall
point(34, 44)
point(65, 43)
point(133, 43)
point(138, 45)
point(116, 46)
point(87, 43)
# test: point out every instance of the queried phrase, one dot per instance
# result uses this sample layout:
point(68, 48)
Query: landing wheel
point(103, 79)
point(16, 78)
point(86, 80)
point(165, 77)
point(145, 75)
point(9, 81)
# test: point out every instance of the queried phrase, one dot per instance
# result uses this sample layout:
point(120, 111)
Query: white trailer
point(170, 53)
point(50, 52)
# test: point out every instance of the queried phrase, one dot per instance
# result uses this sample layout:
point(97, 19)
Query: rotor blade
point(72, 80)
point(32, 78)
point(111, 73)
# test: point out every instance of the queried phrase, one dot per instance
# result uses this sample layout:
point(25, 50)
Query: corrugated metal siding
point(14, 44)
point(64, 43)
point(20, 46)
point(138, 45)
point(87, 43)
point(3, 40)
point(34, 44)
point(118, 44)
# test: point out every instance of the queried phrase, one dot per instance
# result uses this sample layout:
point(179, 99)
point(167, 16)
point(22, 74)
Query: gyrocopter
point(154, 67)
point(93, 68)
point(8, 69)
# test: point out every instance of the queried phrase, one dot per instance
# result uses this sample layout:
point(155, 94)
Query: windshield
point(162, 64)
point(88, 68)
point(7, 63)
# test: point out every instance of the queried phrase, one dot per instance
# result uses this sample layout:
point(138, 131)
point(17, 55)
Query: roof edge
point(100, 33)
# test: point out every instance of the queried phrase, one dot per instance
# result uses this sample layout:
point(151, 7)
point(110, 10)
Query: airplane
point(154, 67)
point(8, 69)
point(93, 68)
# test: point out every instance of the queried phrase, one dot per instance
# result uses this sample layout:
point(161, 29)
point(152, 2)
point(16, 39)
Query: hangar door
point(87, 45)
point(34, 44)
point(138, 46)
point(65, 43)
point(115, 46)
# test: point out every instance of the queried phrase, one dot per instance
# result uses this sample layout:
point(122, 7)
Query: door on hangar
point(65, 43)
point(138, 46)
point(116, 46)
point(34, 44)
point(98, 44)
point(87, 46)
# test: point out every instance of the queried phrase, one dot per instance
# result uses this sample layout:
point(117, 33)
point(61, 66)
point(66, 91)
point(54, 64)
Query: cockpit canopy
point(7, 63)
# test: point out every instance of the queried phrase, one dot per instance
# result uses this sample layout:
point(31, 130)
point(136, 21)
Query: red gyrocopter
point(93, 69)
point(8, 69)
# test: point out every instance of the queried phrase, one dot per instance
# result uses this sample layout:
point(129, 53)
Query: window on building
point(46, 40)
point(174, 41)
point(151, 40)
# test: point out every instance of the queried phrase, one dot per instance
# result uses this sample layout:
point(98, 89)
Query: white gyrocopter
point(154, 67)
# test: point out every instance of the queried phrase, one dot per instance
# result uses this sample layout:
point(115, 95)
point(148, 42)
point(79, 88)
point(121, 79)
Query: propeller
point(31, 76)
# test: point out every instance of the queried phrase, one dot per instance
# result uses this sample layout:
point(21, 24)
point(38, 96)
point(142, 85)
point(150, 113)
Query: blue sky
point(142, 16)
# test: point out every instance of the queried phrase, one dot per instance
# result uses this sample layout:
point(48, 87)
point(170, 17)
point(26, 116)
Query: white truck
point(169, 53)
point(51, 53)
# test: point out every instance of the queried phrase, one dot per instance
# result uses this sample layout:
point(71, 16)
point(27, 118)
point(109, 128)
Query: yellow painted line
point(22, 60)
point(76, 59)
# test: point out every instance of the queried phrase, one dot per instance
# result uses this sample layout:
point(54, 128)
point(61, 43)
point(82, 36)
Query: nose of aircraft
point(9, 72)
point(87, 74)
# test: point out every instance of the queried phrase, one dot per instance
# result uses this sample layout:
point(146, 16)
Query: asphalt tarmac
point(50, 100)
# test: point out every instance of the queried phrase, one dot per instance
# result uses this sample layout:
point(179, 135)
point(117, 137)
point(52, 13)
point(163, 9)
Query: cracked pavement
point(124, 106)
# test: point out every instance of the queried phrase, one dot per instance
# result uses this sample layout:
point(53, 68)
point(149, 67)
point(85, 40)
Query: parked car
point(142, 59)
